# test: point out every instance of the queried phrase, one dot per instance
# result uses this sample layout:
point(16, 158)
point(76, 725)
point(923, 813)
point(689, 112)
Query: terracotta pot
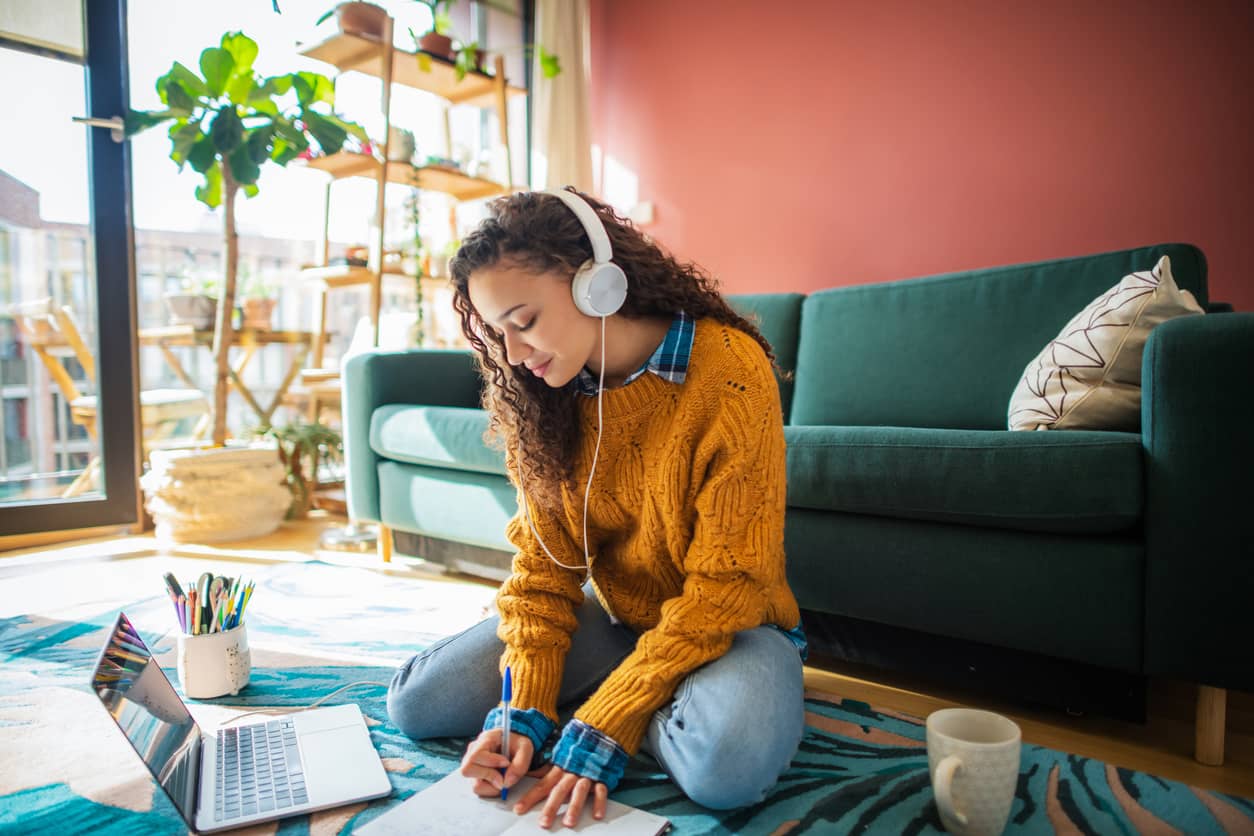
point(365, 19)
point(436, 44)
point(257, 313)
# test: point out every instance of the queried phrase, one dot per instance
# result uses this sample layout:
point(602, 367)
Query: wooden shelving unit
point(434, 74)
point(450, 181)
point(342, 275)
point(419, 70)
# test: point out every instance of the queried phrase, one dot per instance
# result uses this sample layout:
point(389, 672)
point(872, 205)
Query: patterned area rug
point(314, 627)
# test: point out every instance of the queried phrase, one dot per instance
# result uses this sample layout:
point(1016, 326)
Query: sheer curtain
point(561, 137)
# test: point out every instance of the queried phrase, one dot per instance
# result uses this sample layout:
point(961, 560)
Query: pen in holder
point(213, 655)
point(214, 664)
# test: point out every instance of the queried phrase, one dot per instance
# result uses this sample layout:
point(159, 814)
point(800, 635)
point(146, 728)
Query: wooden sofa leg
point(385, 543)
point(1212, 706)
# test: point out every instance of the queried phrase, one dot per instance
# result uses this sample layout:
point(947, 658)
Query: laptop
point(241, 774)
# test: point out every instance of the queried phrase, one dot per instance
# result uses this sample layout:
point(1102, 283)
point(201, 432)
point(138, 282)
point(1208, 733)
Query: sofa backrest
point(947, 351)
point(778, 317)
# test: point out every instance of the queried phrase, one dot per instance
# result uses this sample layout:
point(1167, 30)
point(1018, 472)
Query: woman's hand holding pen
point(483, 761)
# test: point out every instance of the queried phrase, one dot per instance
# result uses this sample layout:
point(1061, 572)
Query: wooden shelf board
point(343, 275)
point(356, 53)
point(434, 178)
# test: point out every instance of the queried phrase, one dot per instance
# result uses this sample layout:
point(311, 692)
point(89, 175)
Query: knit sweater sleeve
point(734, 556)
point(537, 607)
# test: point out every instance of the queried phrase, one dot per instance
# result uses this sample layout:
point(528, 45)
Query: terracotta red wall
point(884, 139)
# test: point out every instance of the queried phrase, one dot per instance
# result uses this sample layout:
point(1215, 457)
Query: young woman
point(647, 606)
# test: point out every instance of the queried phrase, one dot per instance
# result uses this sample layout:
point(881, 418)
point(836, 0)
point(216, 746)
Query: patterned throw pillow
point(1089, 376)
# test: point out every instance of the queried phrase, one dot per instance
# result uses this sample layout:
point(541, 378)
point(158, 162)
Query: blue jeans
point(729, 731)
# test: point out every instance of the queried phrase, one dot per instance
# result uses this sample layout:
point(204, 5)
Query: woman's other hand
point(558, 786)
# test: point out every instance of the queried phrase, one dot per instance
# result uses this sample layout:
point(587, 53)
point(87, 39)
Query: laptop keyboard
point(259, 770)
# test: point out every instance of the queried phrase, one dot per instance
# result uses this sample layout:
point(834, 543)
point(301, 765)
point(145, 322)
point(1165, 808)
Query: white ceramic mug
point(214, 664)
point(973, 759)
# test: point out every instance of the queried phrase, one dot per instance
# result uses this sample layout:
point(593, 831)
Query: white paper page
point(450, 807)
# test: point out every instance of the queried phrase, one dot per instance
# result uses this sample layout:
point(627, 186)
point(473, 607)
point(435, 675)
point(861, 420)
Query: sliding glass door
point(68, 428)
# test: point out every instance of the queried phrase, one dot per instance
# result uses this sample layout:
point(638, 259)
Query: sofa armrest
point(1197, 406)
point(436, 377)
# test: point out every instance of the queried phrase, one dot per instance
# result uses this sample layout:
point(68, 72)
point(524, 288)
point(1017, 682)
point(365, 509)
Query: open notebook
point(450, 806)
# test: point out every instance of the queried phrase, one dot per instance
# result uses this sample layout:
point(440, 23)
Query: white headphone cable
point(587, 559)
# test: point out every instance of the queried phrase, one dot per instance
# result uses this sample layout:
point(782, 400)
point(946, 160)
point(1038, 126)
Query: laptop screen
point(141, 700)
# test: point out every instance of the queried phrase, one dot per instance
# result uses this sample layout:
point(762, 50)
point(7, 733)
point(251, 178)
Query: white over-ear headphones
point(600, 285)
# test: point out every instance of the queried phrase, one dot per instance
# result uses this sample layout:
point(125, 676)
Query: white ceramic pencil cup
point(214, 664)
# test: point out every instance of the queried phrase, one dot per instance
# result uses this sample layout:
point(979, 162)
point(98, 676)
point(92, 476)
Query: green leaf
point(291, 135)
point(141, 120)
point(203, 154)
point(550, 66)
point(216, 65)
point(329, 136)
point(424, 62)
point(283, 152)
point(227, 130)
point(264, 106)
point(210, 193)
point(177, 97)
point(183, 136)
point(258, 143)
point(243, 50)
point(251, 190)
point(465, 62)
point(312, 88)
point(243, 169)
point(240, 88)
point(275, 85)
point(186, 79)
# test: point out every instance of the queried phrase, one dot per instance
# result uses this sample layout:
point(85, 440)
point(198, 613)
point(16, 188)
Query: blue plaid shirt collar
point(669, 362)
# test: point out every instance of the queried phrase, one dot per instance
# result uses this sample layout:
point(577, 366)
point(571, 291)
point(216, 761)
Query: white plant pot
point(215, 495)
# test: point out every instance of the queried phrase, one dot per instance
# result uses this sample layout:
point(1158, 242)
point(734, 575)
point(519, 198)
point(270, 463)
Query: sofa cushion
point(1073, 482)
point(1089, 376)
point(435, 436)
point(778, 317)
point(946, 351)
point(465, 507)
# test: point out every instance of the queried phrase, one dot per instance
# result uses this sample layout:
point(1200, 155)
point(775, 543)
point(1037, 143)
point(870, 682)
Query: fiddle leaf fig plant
point(227, 122)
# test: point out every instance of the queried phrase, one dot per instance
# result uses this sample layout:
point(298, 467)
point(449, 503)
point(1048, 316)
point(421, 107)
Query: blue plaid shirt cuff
point(531, 722)
point(585, 751)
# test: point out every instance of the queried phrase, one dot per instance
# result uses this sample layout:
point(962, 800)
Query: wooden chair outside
point(51, 332)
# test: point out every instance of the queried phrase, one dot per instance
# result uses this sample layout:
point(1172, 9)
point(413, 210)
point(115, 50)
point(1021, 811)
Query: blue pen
point(507, 694)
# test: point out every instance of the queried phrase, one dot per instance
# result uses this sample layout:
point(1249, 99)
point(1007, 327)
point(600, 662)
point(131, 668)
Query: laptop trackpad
point(341, 762)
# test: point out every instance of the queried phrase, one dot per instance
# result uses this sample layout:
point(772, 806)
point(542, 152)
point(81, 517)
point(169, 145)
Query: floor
point(1163, 746)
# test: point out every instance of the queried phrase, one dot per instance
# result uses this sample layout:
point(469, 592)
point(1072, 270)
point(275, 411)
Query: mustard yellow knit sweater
point(685, 529)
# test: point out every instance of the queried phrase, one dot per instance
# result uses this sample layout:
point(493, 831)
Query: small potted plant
point(435, 40)
point(196, 303)
point(303, 447)
point(258, 298)
point(363, 19)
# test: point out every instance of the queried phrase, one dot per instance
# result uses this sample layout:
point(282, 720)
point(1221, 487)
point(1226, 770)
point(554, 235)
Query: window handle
point(117, 128)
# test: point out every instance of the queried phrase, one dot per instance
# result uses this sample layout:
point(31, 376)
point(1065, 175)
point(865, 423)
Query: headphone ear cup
point(599, 289)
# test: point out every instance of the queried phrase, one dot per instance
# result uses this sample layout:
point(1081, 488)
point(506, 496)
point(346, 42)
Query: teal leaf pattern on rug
point(314, 628)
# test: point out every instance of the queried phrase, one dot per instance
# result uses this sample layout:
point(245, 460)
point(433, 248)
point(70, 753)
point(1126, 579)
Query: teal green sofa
point(909, 503)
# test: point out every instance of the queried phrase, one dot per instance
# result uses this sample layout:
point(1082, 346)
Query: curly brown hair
point(535, 424)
